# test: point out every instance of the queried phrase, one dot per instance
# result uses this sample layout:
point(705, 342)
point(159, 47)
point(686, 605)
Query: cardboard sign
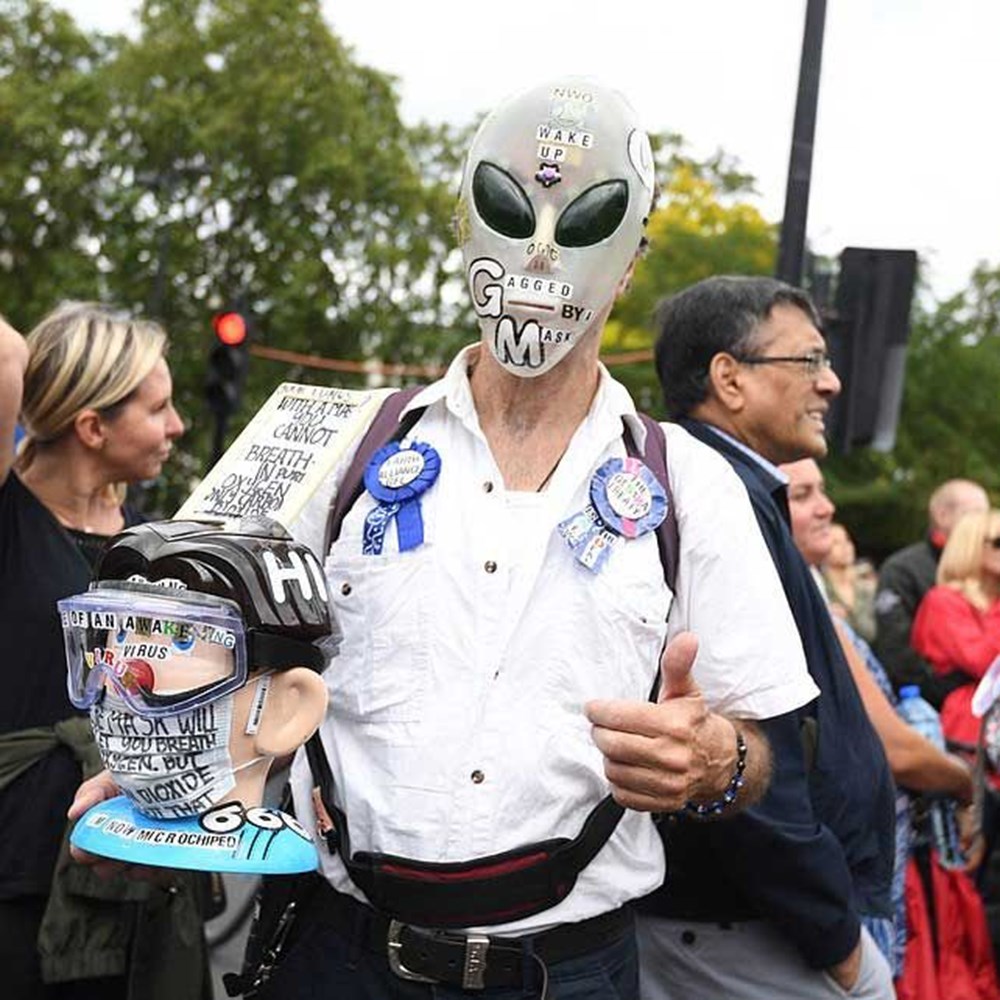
point(284, 454)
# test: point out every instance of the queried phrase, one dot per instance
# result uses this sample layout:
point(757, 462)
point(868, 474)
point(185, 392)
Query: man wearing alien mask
point(550, 225)
point(514, 557)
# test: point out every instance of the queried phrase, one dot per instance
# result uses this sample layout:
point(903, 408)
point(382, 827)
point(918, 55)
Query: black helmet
point(277, 583)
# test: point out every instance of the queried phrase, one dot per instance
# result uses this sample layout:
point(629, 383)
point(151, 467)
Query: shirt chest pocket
point(636, 614)
point(381, 674)
point(622, 612)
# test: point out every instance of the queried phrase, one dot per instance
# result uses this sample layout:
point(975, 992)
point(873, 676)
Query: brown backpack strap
point(655, 457)
point(386, 427)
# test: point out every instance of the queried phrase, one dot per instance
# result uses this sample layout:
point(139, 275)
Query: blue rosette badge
point(397, 476)
point(626, 501)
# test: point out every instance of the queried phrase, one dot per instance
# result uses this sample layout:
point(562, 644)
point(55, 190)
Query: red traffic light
point(230, 328)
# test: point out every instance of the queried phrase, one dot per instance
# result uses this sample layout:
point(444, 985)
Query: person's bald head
point(953, 499)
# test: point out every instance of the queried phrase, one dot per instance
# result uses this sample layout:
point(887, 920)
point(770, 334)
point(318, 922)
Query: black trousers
point(330, 960)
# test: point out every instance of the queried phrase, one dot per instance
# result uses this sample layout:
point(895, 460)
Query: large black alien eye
point(593, 216)
point(502, 203)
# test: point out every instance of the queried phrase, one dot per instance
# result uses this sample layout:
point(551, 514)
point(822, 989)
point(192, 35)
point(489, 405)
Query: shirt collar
point(614, 398)
point(453, 387)
point(611, 399)
point(771, 469)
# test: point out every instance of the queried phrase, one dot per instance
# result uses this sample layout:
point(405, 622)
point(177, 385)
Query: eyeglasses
point(812, 363)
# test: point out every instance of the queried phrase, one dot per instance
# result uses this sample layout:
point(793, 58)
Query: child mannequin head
point(197, 652)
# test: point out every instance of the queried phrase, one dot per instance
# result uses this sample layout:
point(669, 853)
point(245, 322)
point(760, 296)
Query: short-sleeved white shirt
point(456, 727)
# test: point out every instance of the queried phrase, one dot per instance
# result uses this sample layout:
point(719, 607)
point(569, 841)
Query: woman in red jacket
point(957, 626)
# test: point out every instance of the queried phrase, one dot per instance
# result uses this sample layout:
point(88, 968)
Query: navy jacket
point(818, 849)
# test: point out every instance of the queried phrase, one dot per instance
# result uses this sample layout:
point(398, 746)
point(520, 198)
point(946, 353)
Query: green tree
point(50, 107)
point(703, 225)
point(266, 162)
point(949, 422)
point(232, 148)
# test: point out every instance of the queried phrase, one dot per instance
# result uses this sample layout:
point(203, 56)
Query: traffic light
point(227, 362)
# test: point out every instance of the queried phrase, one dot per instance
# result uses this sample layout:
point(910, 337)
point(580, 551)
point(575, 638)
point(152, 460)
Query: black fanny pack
point(481, 892)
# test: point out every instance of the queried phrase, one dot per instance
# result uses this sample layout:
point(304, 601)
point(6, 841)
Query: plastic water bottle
point(944, 826)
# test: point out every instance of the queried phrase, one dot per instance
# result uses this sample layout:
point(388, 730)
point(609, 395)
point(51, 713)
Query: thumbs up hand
point(658, 757)
point(675, 668)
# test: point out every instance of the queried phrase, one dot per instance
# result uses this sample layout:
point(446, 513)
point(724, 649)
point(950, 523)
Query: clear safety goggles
point(162, 652)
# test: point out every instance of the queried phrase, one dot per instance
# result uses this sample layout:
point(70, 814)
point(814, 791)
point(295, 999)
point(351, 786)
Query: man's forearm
point(845, 973)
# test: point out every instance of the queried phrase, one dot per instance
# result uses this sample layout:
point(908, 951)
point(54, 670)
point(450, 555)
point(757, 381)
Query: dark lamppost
point(791, 249)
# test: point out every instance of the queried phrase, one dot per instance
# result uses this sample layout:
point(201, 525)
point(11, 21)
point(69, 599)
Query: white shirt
point(456, 728)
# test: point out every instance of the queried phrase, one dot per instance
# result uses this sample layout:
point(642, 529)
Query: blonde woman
point(957, 627)
point(92, 391)
point(850, 593)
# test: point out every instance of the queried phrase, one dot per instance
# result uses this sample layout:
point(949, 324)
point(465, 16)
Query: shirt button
point(487, 487)
point(490, 566)
point(688, 937)
point(345, 589)
point(477, 777)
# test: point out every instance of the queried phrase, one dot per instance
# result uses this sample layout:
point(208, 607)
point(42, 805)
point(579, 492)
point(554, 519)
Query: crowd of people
point(621, 718)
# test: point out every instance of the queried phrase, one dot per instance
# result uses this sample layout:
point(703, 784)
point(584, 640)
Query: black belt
point(470, 961)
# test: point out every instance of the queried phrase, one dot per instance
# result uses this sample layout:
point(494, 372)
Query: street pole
point(218, 437)
point(791, 249)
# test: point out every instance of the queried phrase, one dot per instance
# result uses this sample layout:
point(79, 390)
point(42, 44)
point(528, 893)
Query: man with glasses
point(771, 903)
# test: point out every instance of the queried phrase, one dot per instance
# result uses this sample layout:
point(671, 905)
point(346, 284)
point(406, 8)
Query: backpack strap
point(655, 457)
point(386, 427)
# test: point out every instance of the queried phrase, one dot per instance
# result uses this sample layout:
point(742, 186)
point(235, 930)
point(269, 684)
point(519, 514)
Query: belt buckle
point(473, 966)
point(393, 947)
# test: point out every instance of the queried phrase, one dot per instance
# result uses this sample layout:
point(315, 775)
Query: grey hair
point(718, 315)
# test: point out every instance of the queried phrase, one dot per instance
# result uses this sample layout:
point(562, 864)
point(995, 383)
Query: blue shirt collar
point(767, 466)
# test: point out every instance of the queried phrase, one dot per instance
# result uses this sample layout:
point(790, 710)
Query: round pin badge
point(629, 498)
point(401, 468)
point(397, 477)
point(395, 474)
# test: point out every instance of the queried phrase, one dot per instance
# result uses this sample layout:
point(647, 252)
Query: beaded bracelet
point(732, 789)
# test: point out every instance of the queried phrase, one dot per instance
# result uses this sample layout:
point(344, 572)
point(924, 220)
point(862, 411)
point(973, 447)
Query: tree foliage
point(50, 107)
point(237, 149)
point(703, 225)
point(232, 149)
point(949, 423)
